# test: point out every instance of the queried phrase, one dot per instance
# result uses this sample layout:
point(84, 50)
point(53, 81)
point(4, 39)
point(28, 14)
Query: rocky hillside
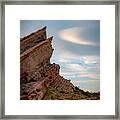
point(39, 79)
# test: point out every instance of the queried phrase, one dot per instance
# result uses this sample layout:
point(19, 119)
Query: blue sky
point(76, 46)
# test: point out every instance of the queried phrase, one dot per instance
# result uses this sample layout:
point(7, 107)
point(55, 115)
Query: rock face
point(39, 79)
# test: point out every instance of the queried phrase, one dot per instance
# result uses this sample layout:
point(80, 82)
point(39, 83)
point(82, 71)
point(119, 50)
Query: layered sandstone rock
point(36, 71)
point(39, 79)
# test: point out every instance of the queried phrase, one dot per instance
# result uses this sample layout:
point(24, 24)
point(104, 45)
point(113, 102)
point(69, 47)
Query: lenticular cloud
point(74, 35)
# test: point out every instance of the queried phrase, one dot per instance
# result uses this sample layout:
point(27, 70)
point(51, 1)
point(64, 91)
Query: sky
point(76, 46)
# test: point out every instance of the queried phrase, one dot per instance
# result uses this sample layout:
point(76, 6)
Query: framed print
point(60, 60)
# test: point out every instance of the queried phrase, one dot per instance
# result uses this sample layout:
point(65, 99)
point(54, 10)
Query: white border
point(104, 13)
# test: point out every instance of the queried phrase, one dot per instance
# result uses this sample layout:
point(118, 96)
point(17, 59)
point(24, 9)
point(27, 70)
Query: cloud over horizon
point(88, 85)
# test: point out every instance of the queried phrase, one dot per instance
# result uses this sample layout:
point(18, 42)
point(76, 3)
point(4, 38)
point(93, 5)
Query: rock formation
point(39, 79)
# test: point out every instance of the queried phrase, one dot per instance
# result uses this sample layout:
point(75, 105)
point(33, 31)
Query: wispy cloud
point(74, 35)
point(81, 67)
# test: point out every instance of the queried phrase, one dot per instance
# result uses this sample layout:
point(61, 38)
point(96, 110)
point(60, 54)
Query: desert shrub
point(77, 89)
